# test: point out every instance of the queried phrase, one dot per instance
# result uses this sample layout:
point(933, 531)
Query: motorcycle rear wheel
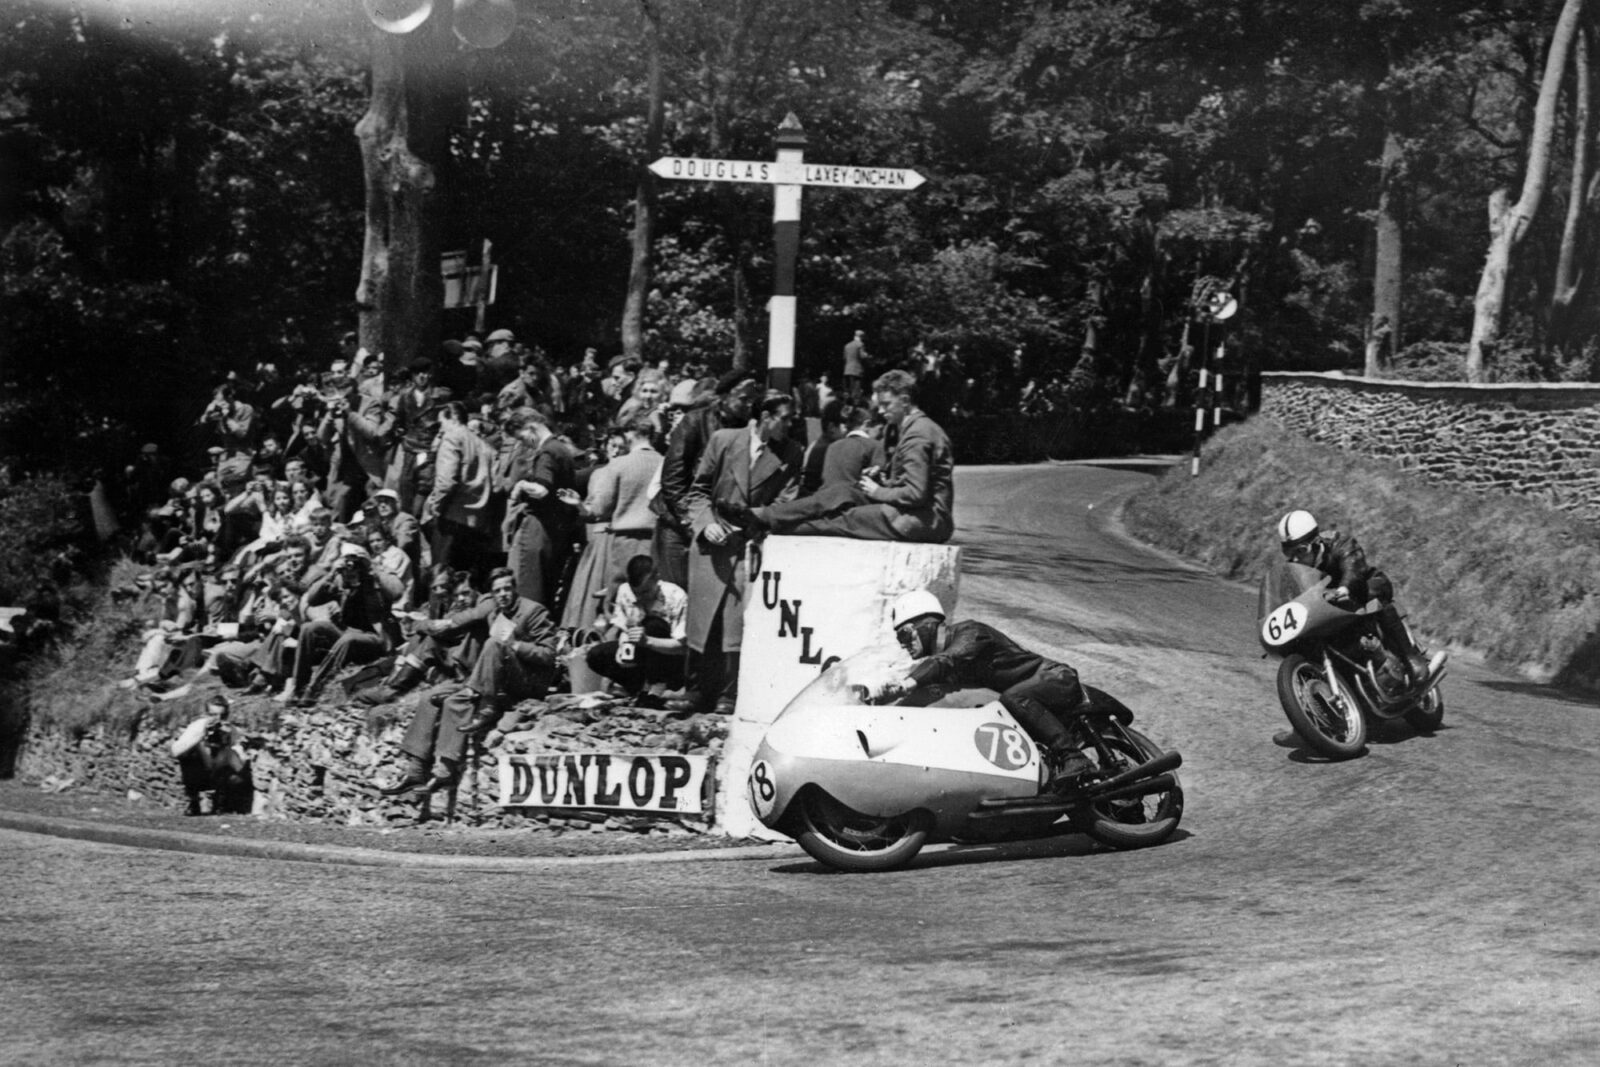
point(1137, 822)
point(841, 837)
point(1337, 732)
point(1428, 715)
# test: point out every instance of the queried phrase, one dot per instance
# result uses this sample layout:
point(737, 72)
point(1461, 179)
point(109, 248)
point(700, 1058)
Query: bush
point(1506, 576)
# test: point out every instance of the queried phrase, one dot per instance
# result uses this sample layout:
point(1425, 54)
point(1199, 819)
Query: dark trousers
point(461, 547)
point(219, 770)
point(438, 732)
point(1035, 703)
point(670, 547)
point(329, 648)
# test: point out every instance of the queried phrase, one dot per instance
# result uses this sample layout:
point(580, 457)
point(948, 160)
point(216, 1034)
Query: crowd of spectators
point(483, 517)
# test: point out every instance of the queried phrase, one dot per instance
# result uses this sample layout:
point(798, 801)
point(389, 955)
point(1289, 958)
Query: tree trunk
point(644, 201)
point(404, 139)
point(1508, 225)
point(1383, 339)
point(1567, 272)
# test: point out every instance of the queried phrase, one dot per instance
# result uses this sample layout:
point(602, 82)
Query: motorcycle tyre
point(1099, 820)
point(1428, 715)
point(822, 821)
point(1305, 724)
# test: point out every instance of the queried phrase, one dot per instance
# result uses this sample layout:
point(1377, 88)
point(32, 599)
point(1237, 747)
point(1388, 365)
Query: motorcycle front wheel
point(841, 837)
point(1329, 726)
point(1136, 822)
point(1428, 715)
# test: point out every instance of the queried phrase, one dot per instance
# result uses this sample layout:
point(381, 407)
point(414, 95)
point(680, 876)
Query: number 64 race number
point(1284, 624)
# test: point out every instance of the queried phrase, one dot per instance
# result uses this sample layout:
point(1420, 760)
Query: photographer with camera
point(211, 758)
point(356, 628)
point(231, 419)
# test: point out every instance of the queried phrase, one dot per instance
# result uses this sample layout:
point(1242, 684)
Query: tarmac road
point(1433, 902)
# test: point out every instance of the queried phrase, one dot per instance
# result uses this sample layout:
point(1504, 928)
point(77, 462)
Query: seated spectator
point(384, 510)
point(449, 655)
point(172, 641)
point(517, 662)
point(211, 759)
point(357, 629)
point(911, 502)
point(388, 556)
point(646, 642)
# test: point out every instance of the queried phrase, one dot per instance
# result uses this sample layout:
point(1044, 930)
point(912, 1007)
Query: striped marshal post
point(791, 142)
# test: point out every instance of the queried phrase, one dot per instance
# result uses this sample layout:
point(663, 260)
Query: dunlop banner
point(628, 782)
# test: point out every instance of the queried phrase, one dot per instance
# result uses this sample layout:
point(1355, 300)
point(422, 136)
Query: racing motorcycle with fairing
point(862, 785)
point(1336, 678)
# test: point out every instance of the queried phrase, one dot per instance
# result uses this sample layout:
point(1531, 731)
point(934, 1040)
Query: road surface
point(1433, 902)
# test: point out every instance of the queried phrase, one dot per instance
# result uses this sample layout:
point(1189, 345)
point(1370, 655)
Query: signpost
point(788, 174)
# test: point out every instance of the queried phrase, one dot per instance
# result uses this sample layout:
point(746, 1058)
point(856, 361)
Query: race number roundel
point(1004, 746)
point(1284, 624)
point(763, 790)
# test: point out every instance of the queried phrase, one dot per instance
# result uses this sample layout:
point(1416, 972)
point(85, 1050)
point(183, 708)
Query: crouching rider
point(1354, 582)
point(970, 654)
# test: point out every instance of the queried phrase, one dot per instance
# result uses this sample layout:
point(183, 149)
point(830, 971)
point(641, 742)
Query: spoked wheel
point(1135, 822)
point(841, 837)
point(1329, 725)
point(1428, 715)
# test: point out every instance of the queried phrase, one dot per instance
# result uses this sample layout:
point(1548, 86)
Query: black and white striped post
point(1219, 308)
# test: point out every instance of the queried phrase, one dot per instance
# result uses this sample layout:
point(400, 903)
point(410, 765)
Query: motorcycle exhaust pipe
point(1159, 784)
point(1170, 761)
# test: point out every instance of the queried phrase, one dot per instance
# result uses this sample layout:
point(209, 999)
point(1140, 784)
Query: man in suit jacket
point(457, 510)
point(911, 501)
point(741, 469)
point(538, 530)
point(517, 663)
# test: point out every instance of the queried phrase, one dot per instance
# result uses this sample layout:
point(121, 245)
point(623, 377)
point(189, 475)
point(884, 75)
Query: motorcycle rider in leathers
point(971, 654)
point(1355, 581)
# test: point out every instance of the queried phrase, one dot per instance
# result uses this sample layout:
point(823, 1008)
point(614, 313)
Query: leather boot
point(414, 776)
point(194, 805)
point(1066, 765)
point(402, 681)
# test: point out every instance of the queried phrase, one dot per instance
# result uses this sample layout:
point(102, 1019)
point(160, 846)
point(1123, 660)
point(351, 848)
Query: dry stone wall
point(1537, 440)
point(325, 764)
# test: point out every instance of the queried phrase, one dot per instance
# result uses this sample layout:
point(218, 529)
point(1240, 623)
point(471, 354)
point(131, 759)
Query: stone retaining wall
point(1534, 439)
point(323, 764)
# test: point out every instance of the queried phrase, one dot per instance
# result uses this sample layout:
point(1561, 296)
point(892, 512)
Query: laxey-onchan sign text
point(685, 168)
point(625, 782)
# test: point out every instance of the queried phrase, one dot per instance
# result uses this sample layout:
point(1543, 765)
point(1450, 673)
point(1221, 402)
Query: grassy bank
point(1503, 576)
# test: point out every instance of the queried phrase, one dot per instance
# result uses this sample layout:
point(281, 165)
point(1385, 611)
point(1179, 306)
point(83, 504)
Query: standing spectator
point(620, 491)
point(232, 420)
point(591, 578)
point(500, 364)
point(459, 370)
point(855, 360)
point(684, 449)
point(517, 661)
point(457, 510)
point(415, 426)
point(538, 529)
point(745, 468)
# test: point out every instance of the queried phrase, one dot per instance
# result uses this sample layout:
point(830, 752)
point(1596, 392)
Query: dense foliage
point(184, 197)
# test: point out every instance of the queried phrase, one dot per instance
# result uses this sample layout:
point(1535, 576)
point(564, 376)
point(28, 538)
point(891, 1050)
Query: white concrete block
point(814, 600)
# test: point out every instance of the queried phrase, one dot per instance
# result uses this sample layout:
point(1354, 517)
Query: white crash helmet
point(1297, 527)
point(914, 605)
